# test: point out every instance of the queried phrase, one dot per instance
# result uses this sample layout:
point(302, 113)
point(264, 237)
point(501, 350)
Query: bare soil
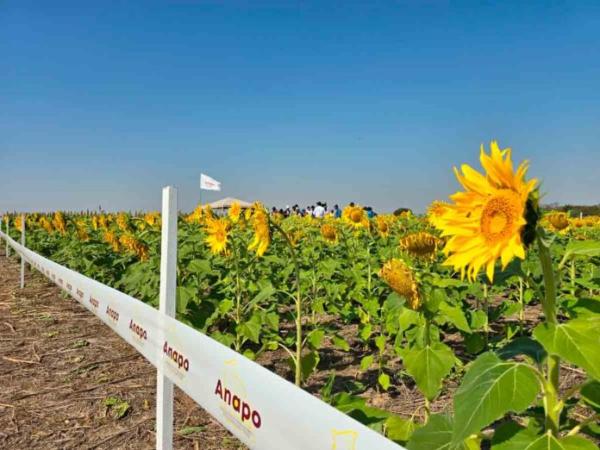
point(58, 366)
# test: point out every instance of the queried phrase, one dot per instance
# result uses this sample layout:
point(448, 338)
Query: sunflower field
point(484, 311)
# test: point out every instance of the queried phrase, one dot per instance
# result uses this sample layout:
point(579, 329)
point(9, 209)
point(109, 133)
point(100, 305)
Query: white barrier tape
point(260, 408)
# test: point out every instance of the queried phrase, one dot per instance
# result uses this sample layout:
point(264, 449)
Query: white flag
point(209, 184)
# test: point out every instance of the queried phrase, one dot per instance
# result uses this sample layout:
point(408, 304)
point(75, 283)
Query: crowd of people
point(319, 210)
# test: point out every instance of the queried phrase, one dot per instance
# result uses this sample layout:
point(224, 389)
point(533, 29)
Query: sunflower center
point(500, 216)
point(356, 216)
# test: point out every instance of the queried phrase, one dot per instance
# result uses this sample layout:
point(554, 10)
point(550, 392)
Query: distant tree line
point(574, 210)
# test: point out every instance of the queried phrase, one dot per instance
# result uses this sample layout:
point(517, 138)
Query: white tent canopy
point(225, 203)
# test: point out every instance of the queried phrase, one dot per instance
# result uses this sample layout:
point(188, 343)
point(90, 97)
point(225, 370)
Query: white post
point(168, 286)
point(22, 257)
point(7, 227)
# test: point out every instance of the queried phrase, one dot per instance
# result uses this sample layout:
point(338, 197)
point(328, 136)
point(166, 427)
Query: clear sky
point(103, 103)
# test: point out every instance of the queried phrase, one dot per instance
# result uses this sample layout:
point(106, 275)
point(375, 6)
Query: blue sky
point(103, 103)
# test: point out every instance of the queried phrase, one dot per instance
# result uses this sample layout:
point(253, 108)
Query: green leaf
point(523, 346)
point(474, 343)
point(429, 366)
point(590, 394)
point(366, 331)
point(264, 294)
point(250, 329)
point(308, 364)
point(315, 338)
point(549, 442)
point(340, 343)
point(366, 362)
point(581, 248)
point(576, 341)
point(455, 316)
point(199, 266)
point(512, 436)
point(435, 435)
point(191, 430)
point(380, 343)
point(225, 306)
point(399, 429)
point(384, 381)
point(491, 388)
point(184, 294)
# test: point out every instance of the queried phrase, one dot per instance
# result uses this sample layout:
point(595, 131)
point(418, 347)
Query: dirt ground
point(65, 378)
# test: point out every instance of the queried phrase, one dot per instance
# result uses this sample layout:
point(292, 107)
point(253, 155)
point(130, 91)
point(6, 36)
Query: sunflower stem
point(298, 301)
point(551, 386)
point(573, 276)
point(522, 307)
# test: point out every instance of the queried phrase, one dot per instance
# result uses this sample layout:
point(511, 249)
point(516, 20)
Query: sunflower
point(234, 212)
point(435, 211)
point(82, 233)
point(19, 223)
point(559, 221)
point(152, 218)
point(59, 222)
point(195, 216)
point(123, 222)
point(217, 234)
point(262, 236)
point(355, 216)
point(329, 233)
point(103, 221)
point(486, 221)
point(111, 239)
point(402, 280)
point(421, 245)
point(46, 224)
point(383, 225)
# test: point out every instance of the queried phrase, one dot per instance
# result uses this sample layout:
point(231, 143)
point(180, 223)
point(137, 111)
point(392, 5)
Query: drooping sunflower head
point(355, 217)
point(559, 221)
point(234, 212)
point(262, 232)
point(329, 233)
point(217, 234)
point(420, 245)
point(487, 220)
point(402, 280)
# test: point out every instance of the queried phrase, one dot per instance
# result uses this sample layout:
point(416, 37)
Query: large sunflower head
point(355, 216)
point(217, 234)
point(262, 232)
point(402, 280)
point(486, 221)
point(421, 245)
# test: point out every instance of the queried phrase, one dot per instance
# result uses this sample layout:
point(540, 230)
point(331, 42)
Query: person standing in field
point(319, 211)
